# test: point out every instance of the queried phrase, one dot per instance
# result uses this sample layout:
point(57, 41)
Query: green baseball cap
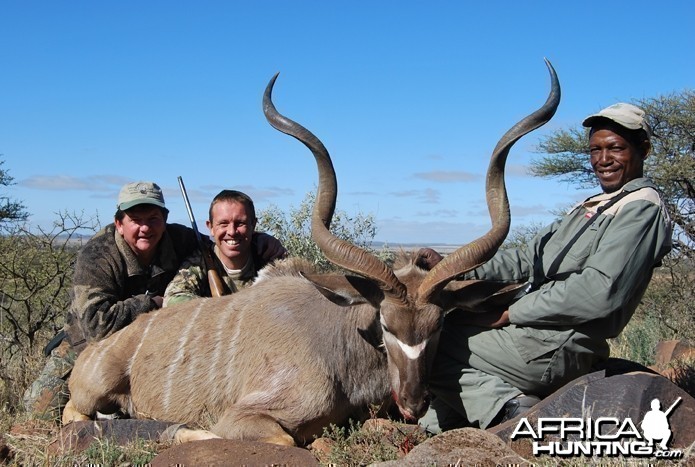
point(136, 193)
point(626, 115)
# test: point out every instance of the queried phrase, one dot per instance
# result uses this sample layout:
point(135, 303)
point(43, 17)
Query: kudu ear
point(479, 295)
point(347, 290)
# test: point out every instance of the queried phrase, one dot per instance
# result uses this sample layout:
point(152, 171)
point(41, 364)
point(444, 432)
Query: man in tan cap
point(585, 274)
point(121, 272)
point(620, 140)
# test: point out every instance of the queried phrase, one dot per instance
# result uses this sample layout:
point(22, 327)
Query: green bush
point(293, 229)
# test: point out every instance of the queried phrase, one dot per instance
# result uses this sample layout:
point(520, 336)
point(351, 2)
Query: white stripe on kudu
point(142, 339)
point(412, 351)
point(173, 367)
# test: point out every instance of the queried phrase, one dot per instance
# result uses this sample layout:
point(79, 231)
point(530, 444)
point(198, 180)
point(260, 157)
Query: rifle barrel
point(191, 217)
point(673, 406)
point(217, 286)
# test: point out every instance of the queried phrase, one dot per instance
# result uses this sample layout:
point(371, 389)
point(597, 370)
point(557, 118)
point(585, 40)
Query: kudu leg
point(101, 385)
point(185, 435)
point(235, 424)
point(71, 414)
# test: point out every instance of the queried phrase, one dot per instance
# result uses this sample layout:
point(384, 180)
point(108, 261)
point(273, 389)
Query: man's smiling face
point(615, 159)
point(142, 227)
point(232, 228)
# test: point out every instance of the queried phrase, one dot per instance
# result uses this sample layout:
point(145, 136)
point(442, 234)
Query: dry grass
point(29, 443)
point(377, 440)
point(353, 445)
point(682, 373)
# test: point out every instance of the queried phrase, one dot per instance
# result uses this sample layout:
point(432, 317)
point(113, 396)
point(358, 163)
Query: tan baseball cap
point(626, 115)
point(136, 193)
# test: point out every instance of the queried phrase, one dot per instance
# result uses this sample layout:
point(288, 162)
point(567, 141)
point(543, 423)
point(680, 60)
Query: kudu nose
point(414, 406)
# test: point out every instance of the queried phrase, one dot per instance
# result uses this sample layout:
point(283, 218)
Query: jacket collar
point(632, 185)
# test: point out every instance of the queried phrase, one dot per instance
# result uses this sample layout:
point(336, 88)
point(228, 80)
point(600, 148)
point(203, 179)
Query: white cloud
point(447, 176)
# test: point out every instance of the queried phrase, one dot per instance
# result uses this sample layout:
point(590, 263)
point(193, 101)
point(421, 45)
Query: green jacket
point(110, 288)
point(599, 282)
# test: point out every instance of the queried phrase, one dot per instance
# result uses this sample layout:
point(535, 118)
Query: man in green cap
point(120, 273)
point(585, 275)
point(125, 268)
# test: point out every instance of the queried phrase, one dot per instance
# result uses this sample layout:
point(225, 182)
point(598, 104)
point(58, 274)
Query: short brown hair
point(234, 196)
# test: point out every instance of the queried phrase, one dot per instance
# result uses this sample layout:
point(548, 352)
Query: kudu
point(295, 352)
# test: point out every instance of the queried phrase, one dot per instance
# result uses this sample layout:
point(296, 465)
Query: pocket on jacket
point(533, 343)
point(582, 247)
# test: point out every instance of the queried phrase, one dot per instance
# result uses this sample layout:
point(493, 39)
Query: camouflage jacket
point(192, 282)
point(110, 288)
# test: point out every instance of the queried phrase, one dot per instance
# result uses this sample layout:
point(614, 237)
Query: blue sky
point(409, 97)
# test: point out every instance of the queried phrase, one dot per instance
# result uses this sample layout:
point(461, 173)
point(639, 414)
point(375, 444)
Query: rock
point(620, 366)
point(30, 429)
point(390, 429)
point(619, 396)
point(322, 447)
point(33, 428)
point(225, 452)
point(464, 446)
point(379, 425)
point(671, 357)
point(77, 436)
point(668, 351)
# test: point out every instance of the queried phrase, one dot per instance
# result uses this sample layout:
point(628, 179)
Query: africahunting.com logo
point(603, 436)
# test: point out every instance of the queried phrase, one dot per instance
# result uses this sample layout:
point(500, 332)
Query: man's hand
point(157, 300)
point(488, 319)
point(427, 258)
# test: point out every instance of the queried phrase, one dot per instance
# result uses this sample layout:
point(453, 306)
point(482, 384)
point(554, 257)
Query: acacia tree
point(35, 276)
point(36, 266)
point(10, 210)
point(666, 309)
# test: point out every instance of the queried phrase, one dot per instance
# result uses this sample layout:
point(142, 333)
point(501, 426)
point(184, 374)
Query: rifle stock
point(217, 287)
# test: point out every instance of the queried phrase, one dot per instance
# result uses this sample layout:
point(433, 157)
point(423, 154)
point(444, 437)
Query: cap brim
point(592, 119)
point(130, 204)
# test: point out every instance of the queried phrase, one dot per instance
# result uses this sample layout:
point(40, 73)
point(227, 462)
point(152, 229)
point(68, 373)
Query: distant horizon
point(441, 247)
